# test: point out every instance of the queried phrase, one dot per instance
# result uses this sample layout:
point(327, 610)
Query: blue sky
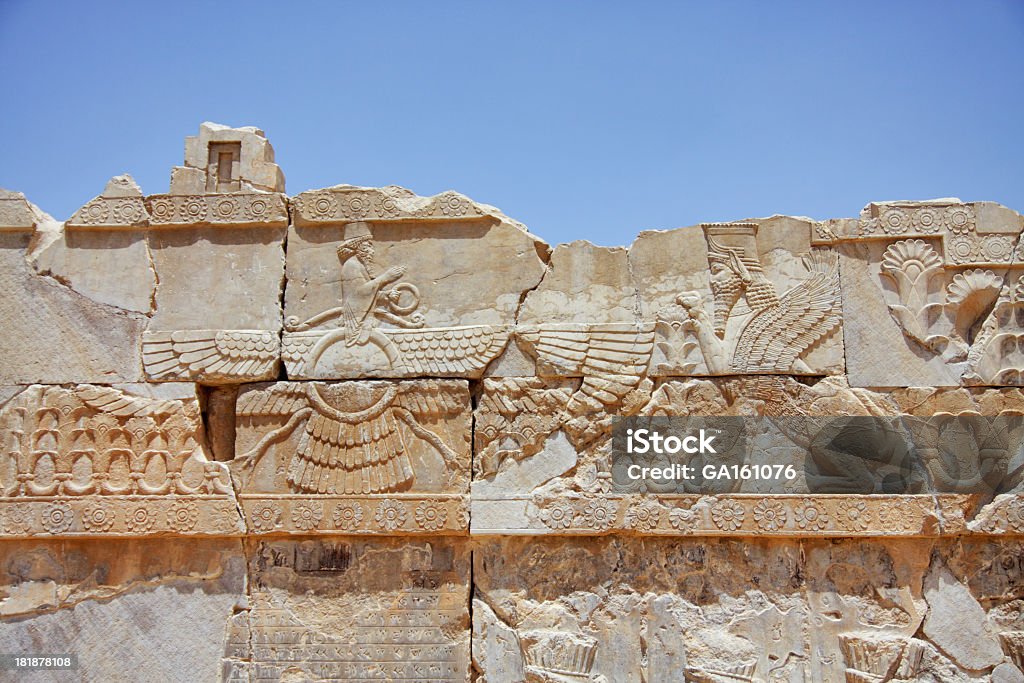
point(585, 120)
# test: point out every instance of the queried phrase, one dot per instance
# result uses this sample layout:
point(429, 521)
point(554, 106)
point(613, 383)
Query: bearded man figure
point(360, 287)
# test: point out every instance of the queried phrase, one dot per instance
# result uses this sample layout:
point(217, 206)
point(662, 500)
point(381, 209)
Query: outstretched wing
point(358, 452)
point(580, 350)
point(777, 336)
point(280, 399)
point(120, 404)
point(612, 358)
point(210, 354)
point(443, 400)
point(448, 351)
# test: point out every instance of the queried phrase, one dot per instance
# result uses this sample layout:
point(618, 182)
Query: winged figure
point(355, 438)
point(754, 329)
point(369, 298)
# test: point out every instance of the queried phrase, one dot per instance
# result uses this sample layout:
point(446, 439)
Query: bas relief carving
point(343, 386)
point(94, 460)
point(752, 328)
point(369, 300)
point(354, 457)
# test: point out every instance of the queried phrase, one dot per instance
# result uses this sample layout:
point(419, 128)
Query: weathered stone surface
point(53, 333)
point(95, 460)
point(956, 622)
point(930, 293)
point(353, 610)
point(224, 159)
point(248, 438)
point(750, 298)
point(217, 247)
point(398, 292)
point(584, 284)
point(129, 610)
point(631, 610)
point(102, 252)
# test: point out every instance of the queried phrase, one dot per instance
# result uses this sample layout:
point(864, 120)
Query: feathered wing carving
point(778, 335)
point(282, 398)
point(352, 451)
point(611, 358)
point(120, 404)
point(210, 354)
point(448, 350)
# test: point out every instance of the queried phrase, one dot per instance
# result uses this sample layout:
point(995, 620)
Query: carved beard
point(726, 295)
point(366, 258)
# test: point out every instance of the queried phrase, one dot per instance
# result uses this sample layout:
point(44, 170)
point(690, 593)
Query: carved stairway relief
point(353, 457)
point(353, 610)
point(96, 460)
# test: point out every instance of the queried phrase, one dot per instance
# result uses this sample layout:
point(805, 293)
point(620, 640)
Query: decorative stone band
point(111, 213)
point(388, 352)
point(747, 515)
point(211, 355)
point(15, 213)
point(264, 210)
point(964, 241)
point(343, 204)
point(398, 514)
point(203, 515)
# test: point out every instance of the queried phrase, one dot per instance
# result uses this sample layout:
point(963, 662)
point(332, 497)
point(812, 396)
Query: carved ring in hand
point(411, 296)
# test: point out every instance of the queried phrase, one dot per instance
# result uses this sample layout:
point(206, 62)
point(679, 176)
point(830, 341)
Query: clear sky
point(584, 120)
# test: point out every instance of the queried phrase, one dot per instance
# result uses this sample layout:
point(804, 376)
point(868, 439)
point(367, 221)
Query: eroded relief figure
point(364, 298)
point(361, 291)
point(367, 301)
point(753, 329)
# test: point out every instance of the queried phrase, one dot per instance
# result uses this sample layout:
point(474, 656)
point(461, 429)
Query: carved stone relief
point(930, 289)
point(380, 439)
point(95, 460)
point(418, 312)
point(354, 457)
point(353, 610)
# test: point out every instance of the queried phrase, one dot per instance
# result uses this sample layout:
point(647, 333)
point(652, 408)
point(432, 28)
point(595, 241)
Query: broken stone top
point(15, 212)
point(119, 206)
point(223, 159)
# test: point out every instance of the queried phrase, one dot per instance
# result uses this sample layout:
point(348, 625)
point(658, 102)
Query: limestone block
point(102, 252)
point(740, 298)
point(930, 290)
point(354, 457)
point(382, 283)
point(584, 284)
point(225, 159)
point(106, 461)
point(53, 333)
point(130, 610)
point(218, 300)
point(351, 609)
point(16, 214)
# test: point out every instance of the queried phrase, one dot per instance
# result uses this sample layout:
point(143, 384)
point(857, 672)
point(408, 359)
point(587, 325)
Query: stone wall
point(362, 435)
